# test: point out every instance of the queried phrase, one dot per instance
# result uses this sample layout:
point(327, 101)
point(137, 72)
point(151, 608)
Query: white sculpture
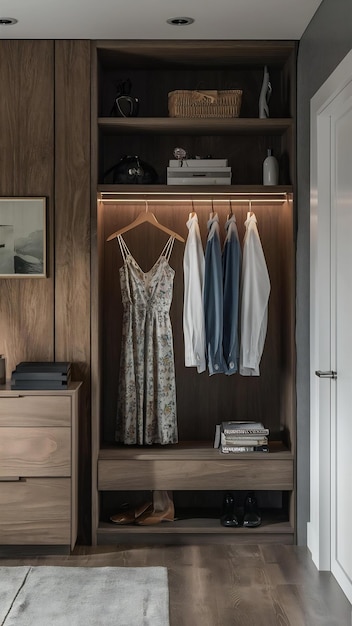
point(265, 94)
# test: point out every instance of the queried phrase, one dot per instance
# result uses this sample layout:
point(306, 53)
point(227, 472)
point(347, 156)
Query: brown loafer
point(131, 515)
point(152, 516)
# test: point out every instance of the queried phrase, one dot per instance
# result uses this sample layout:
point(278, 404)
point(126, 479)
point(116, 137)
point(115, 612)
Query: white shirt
point(255, 290)
point(193, 313)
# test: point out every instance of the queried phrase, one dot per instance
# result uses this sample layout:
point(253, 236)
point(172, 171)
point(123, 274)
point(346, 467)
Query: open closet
point(196, 473)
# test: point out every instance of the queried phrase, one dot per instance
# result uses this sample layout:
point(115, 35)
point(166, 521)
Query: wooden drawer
point(35, 511)
point(28, 452)
point(31, 410)
point(253, 473)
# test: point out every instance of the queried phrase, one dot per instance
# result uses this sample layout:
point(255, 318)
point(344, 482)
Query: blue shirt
point(213, 299)
point(231, 264)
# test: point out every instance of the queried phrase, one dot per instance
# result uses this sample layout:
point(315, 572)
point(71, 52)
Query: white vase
point(270, 169)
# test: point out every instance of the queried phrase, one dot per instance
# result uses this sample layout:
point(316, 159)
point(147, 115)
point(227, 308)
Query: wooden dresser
point(38, 468)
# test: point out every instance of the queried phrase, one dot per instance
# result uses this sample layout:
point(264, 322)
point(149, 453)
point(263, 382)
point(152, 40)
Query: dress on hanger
point(255, 290)
point(146, 407)
point(193, 312)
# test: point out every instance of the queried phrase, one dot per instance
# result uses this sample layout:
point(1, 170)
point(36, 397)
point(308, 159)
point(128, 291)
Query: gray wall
point(326, 41)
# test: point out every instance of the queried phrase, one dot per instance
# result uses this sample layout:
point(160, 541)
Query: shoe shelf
point(187, 529)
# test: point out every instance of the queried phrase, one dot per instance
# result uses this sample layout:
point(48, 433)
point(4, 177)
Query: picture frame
point(23, 237)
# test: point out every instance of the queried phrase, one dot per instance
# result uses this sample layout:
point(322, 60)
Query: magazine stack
point(235, 437)
point(41, 375)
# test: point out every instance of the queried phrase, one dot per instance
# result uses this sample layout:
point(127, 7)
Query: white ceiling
point(146, 19)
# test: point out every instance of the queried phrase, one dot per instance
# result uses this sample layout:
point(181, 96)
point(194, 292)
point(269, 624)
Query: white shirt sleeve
point(193, 313)
point(255, 290)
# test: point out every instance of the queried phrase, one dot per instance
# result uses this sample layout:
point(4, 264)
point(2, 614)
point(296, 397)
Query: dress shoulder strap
point(167, 250)
point(123, 247)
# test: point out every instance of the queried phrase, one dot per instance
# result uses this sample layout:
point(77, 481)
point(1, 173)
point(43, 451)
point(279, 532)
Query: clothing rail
point(134, 195)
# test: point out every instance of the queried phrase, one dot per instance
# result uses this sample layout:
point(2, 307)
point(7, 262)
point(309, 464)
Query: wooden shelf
point(149, 54)
point(190, 450)
point(194, 126)
point(200, 529)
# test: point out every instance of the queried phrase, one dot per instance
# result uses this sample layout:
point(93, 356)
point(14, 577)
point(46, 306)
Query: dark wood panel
point(27, 169)
point(72, 204)
point(72, 234)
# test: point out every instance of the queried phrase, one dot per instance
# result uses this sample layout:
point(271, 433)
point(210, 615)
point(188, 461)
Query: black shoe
point(251, 517)
point(228, 517)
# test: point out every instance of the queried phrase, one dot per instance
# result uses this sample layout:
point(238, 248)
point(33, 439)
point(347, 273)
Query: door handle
point(328, 374)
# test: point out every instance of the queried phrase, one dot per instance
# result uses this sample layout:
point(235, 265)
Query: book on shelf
point(217, 435)
point(240, 443)
point(254, 440)
point(244, 428)
point(238, 449)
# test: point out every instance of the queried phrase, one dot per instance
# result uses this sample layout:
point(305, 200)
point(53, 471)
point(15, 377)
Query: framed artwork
point(22, 237)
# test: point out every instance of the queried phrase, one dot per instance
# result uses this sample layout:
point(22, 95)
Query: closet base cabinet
point(38, 470)
point(199, 469)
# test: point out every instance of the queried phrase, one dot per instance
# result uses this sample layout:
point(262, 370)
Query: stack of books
point(41, 375)
point(238, 436)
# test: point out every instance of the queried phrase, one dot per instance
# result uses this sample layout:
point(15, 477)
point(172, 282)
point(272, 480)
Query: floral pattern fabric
point(146, 411)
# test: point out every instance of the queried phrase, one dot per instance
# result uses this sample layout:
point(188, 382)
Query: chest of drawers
point(39, 467)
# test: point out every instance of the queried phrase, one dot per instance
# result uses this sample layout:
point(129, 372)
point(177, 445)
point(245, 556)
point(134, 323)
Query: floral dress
point(146, 408)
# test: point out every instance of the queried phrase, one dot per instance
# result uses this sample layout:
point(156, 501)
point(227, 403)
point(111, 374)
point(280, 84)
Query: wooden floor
point(234, 585)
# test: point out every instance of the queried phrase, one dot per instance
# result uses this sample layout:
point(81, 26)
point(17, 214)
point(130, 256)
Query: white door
point(329, 530)
point(341, 339)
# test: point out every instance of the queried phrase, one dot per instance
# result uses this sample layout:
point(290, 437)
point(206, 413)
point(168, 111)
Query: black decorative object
point(124, 105)
point(131, 170)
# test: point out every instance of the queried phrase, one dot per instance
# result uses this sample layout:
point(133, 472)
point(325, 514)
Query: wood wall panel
point(72, 235)
point(27, 169)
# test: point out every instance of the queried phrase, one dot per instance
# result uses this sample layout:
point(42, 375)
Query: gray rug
point(84, 596)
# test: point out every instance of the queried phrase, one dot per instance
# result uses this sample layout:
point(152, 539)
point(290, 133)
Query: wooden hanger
point(145, 216)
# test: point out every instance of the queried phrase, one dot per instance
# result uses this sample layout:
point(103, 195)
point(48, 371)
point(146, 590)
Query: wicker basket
point(185, 103)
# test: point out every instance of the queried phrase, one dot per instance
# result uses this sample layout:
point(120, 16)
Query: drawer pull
point(12, 479)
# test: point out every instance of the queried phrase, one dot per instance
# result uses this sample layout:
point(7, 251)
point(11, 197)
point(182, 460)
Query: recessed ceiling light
point(180, 21)
point(7, 21)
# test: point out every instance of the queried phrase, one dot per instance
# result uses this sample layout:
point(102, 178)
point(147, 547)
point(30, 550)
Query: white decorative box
point(205, 163)
point(198, 176)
